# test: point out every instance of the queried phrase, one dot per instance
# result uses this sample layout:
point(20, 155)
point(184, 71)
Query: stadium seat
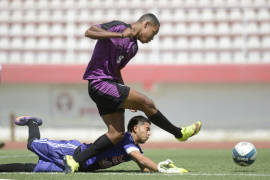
point(181, 28)
point(210, 58)
point(249, 14)
point(225, 58)
point(15, 57)
point(56, 58)
point(58, 43)
point(182, 58)
point(224, 42)
point(16, 16)
point(263, 14)
point(235, 14)
point(223, 28)
point(165, 15)
point(30, 15)
point(196, 58)
point(194, 28)
point(207, 14)
point(43, 43)
point(44, 15)
point(41, 4)
point(4, 29)
point(5, 43)
point(209, 28)
point(195, 43)
point(4, 4)
point(30, 43)
point(166, 28)
point(193, 14)
point(3, 57)
point(238, 42)
point(237, 28)
point(221, 14)
point(266, 42)
point(42, 58)
point(182, 43)
point(210, 42)
point(17, 43)
point(253, 57)
point(252, 28)
point(56, 29)
point(43, 29)
point(29, 4)
point(83, 15)
point(179, 15)
point(4, 15)
point(265, 27)
point(266, 57)
point(29, 29)
point(239, 58)
point(253, 42)
point(15, 29)
point(83, 58)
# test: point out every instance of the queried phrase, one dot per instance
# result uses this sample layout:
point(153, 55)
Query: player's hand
point(133, 110)
point(168, 167)
point(131, 32)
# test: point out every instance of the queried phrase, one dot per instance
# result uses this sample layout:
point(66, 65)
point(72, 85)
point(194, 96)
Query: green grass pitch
point(202, 164)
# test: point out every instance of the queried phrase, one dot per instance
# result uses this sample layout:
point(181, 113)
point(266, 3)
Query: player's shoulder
point(111, 24)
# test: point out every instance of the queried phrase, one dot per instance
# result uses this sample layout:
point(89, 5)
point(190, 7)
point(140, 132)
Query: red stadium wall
point(145, 74)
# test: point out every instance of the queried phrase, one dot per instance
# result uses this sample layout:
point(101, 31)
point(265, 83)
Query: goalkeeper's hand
point(168, 167)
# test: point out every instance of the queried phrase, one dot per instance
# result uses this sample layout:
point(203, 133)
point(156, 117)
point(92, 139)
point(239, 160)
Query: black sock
point(102, 144)
point(17, 167)
point(161, 121)
point(33, 132)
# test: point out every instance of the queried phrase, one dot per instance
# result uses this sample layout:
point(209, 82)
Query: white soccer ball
point(244, 153)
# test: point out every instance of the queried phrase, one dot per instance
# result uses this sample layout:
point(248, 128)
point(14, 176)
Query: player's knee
point(148, 106)
point(29, 145)
point(117, 136)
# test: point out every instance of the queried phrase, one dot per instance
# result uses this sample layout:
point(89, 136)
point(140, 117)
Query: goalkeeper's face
point(142, 132)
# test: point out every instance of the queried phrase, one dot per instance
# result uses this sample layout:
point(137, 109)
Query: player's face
point(143, 132)
point(148, 32)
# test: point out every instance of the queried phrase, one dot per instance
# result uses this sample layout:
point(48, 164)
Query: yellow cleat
point(70, 164)
point(177, 169)
point(189, 131)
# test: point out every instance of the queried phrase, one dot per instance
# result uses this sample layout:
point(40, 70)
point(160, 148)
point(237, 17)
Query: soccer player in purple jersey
point(52, 152)
point(116, 45)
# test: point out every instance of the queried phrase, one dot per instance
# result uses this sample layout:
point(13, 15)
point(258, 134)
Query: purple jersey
point(116, 155)
point(51, 153)
point(111, 54)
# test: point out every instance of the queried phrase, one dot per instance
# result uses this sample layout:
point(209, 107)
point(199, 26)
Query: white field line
point(16, 156)
point(154, 174)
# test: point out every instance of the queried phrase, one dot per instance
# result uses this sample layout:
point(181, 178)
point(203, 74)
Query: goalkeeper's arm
point(146, 164)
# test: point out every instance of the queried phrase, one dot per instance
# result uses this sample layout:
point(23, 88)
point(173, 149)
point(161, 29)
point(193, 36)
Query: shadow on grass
point(116, 171)
point(244, 171)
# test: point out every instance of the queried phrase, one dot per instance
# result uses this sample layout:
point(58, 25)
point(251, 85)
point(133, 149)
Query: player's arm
point(146, 164)
point(95, 32)
point(119, 75)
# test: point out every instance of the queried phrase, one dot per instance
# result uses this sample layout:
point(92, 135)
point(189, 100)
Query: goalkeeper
point(53, 154)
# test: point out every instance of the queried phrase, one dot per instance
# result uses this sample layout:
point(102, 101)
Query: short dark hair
point(150, 18)
point(135, 121)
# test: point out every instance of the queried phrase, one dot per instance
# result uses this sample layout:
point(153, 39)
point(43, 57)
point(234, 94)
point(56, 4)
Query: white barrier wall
point(226, 107)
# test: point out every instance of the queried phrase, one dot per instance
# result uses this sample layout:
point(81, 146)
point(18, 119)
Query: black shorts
point(108, 95)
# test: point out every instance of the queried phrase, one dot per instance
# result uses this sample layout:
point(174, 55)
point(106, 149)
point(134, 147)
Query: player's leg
point(33, 128)
point(17, 167)
point(116, 130)
point(138, 101)
point(108, 96)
